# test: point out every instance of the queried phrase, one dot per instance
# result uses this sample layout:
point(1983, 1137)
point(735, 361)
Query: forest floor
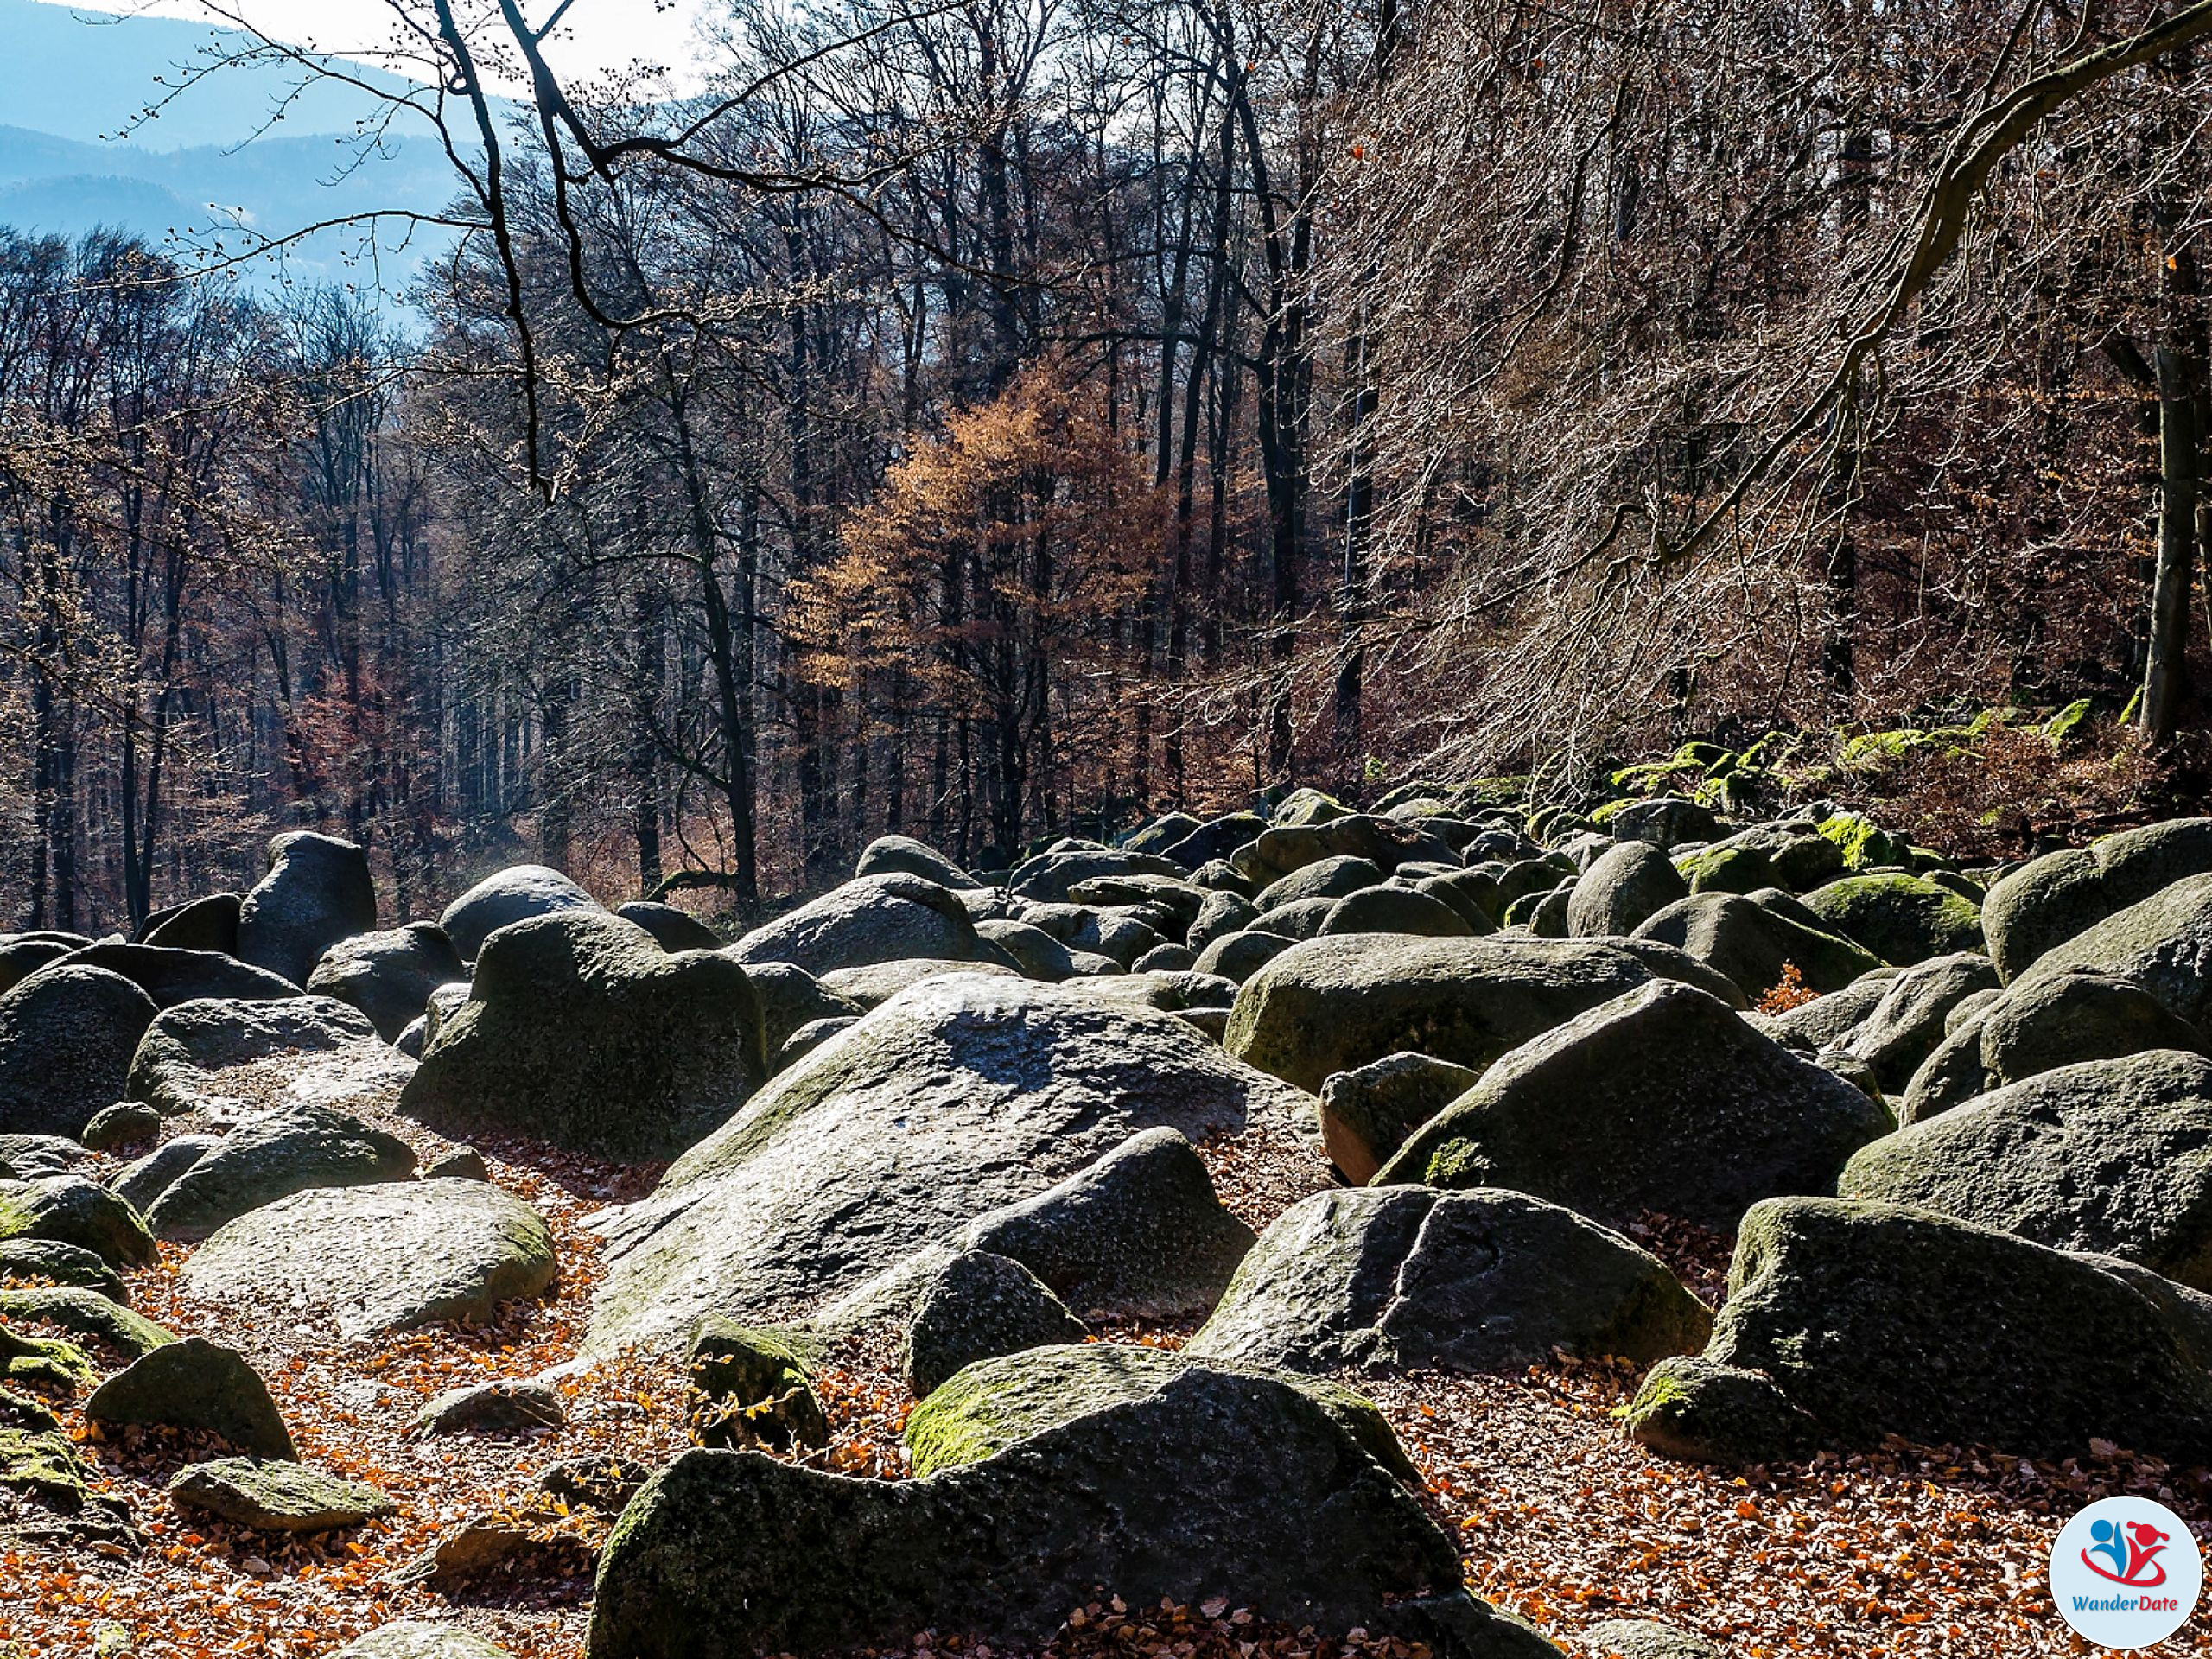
point(1914, 1551)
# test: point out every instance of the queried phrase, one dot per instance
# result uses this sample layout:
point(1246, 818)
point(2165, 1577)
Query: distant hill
point(67, 82)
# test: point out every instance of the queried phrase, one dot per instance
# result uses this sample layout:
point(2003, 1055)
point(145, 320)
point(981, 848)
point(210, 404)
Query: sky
point(595, 35)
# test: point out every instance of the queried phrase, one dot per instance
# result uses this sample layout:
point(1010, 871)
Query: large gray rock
point(1213, 1484)
point(271, 1158)
point(2111, 1156)
point(70, 1210)
point(2039, 1025)
point(580, 1030)
point(213, 1055)
point(1646, 1639)
point(1900, 918)
point(378, 1259)
point(790, 997)
point(1907, 1024)
point(1326, 1005)
point(419, 1639)
point(2164, 942)
point(23, 954)
point(1368, 1112)
point(979, 1306)
point(511, 895)
point(205, 924)
point(194, 1384)
point(1325, 878)
point(1407, 1278)
point(1750, 943)
point(869, 919)
point(174, 976)
point(1385, 908)
point(2050, 901)
point(389, 976)
point(1047, 878)
point(1664, 1099)
point(675, 929)
point(959, 1098)
point(1847, 1322)
point(903, 856)
point(317, 892)
point(67, 1036)
point(1625, 886)
point(144, 1179)
point(275, 1496)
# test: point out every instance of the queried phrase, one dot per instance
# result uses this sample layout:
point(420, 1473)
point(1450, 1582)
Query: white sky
point(595, 35)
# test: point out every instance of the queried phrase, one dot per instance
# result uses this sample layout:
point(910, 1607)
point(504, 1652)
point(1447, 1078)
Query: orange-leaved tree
point(988, 593)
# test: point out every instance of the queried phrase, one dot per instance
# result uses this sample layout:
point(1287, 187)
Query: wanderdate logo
point(2125, 1573)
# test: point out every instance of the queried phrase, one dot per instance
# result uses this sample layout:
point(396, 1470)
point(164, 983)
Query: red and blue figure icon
point(2133, 1548)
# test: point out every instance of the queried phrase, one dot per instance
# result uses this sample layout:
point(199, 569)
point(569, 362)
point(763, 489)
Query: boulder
point(514, 894)
point(28, 1157)
point(70, 1210)
point(1646, 1639)
point(146, 1179)
point(1387, 909)
point(505, 1405)
point(194, 1384)
point(196, 1057)
point(1368, 1112)
point(66, 1035)
point(1215, 839)
point(1750, 943)
point(1847, 1322)
point(317, 892)
point(1326, 1005)
point(275, 1496)
point(1139, 1234)
point(49, 1261)
point(389, 976)
point(208, 924)
point(903, 856)
point(1901, 918)
point(1213, 1484)
point(581, 1031)
point(419, 1639)
point(2037, 1026)
point(1664, 1099)
point(870, 919)
point(1239, 956)
point(1625, 886)
point(790, 997)
point(1047, 878)
point(2164, 942)
point(378, 1259)
point(1406, 1278)
point(754, 1387)
point(271, 1158)
point(21, 956)
point(1325, 878)
point(2051, 900)
point(675, 929)
point(872, 985)
point(1907, 1023)
point(174, 976)
point(2109, 1156)
point(89, 1314)
point(955, 1099)
point(1668, 821)
point(978, 1307)
point(123, 1125)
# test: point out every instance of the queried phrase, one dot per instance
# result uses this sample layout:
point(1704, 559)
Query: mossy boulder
point(194, 1384)
point(753, 1388)
point(1751, 942)
point(42, 1363)
point(1663, 1099)
point(1863, 843)
point(331, 1051)
point(1407, 1278)
point(1323, 878)
point(1386, 908)
point(89, 1315)
point(580, 1030)
point(2053, 898)
point(1848, 1321)
point(2113, 1157)
point(1910, 1014)
point(2164, 942)
point(66, 1035)
point(1211, 1484)
point(275, 1496)
point(1901, 918)
point(1368, 1112)
point(305, 1149)
point(2039, 1025)
point(41, 1464)
point(44, 1263)
point(70, 1210)
point(978, 1307)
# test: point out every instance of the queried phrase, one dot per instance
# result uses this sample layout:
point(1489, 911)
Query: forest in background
point(998, 418)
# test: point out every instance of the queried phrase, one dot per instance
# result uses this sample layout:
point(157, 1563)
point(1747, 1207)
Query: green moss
point(43, 1463)
point(87, 1313)
point(2068, 724)
point(1864, 842)
point(753, 1388)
